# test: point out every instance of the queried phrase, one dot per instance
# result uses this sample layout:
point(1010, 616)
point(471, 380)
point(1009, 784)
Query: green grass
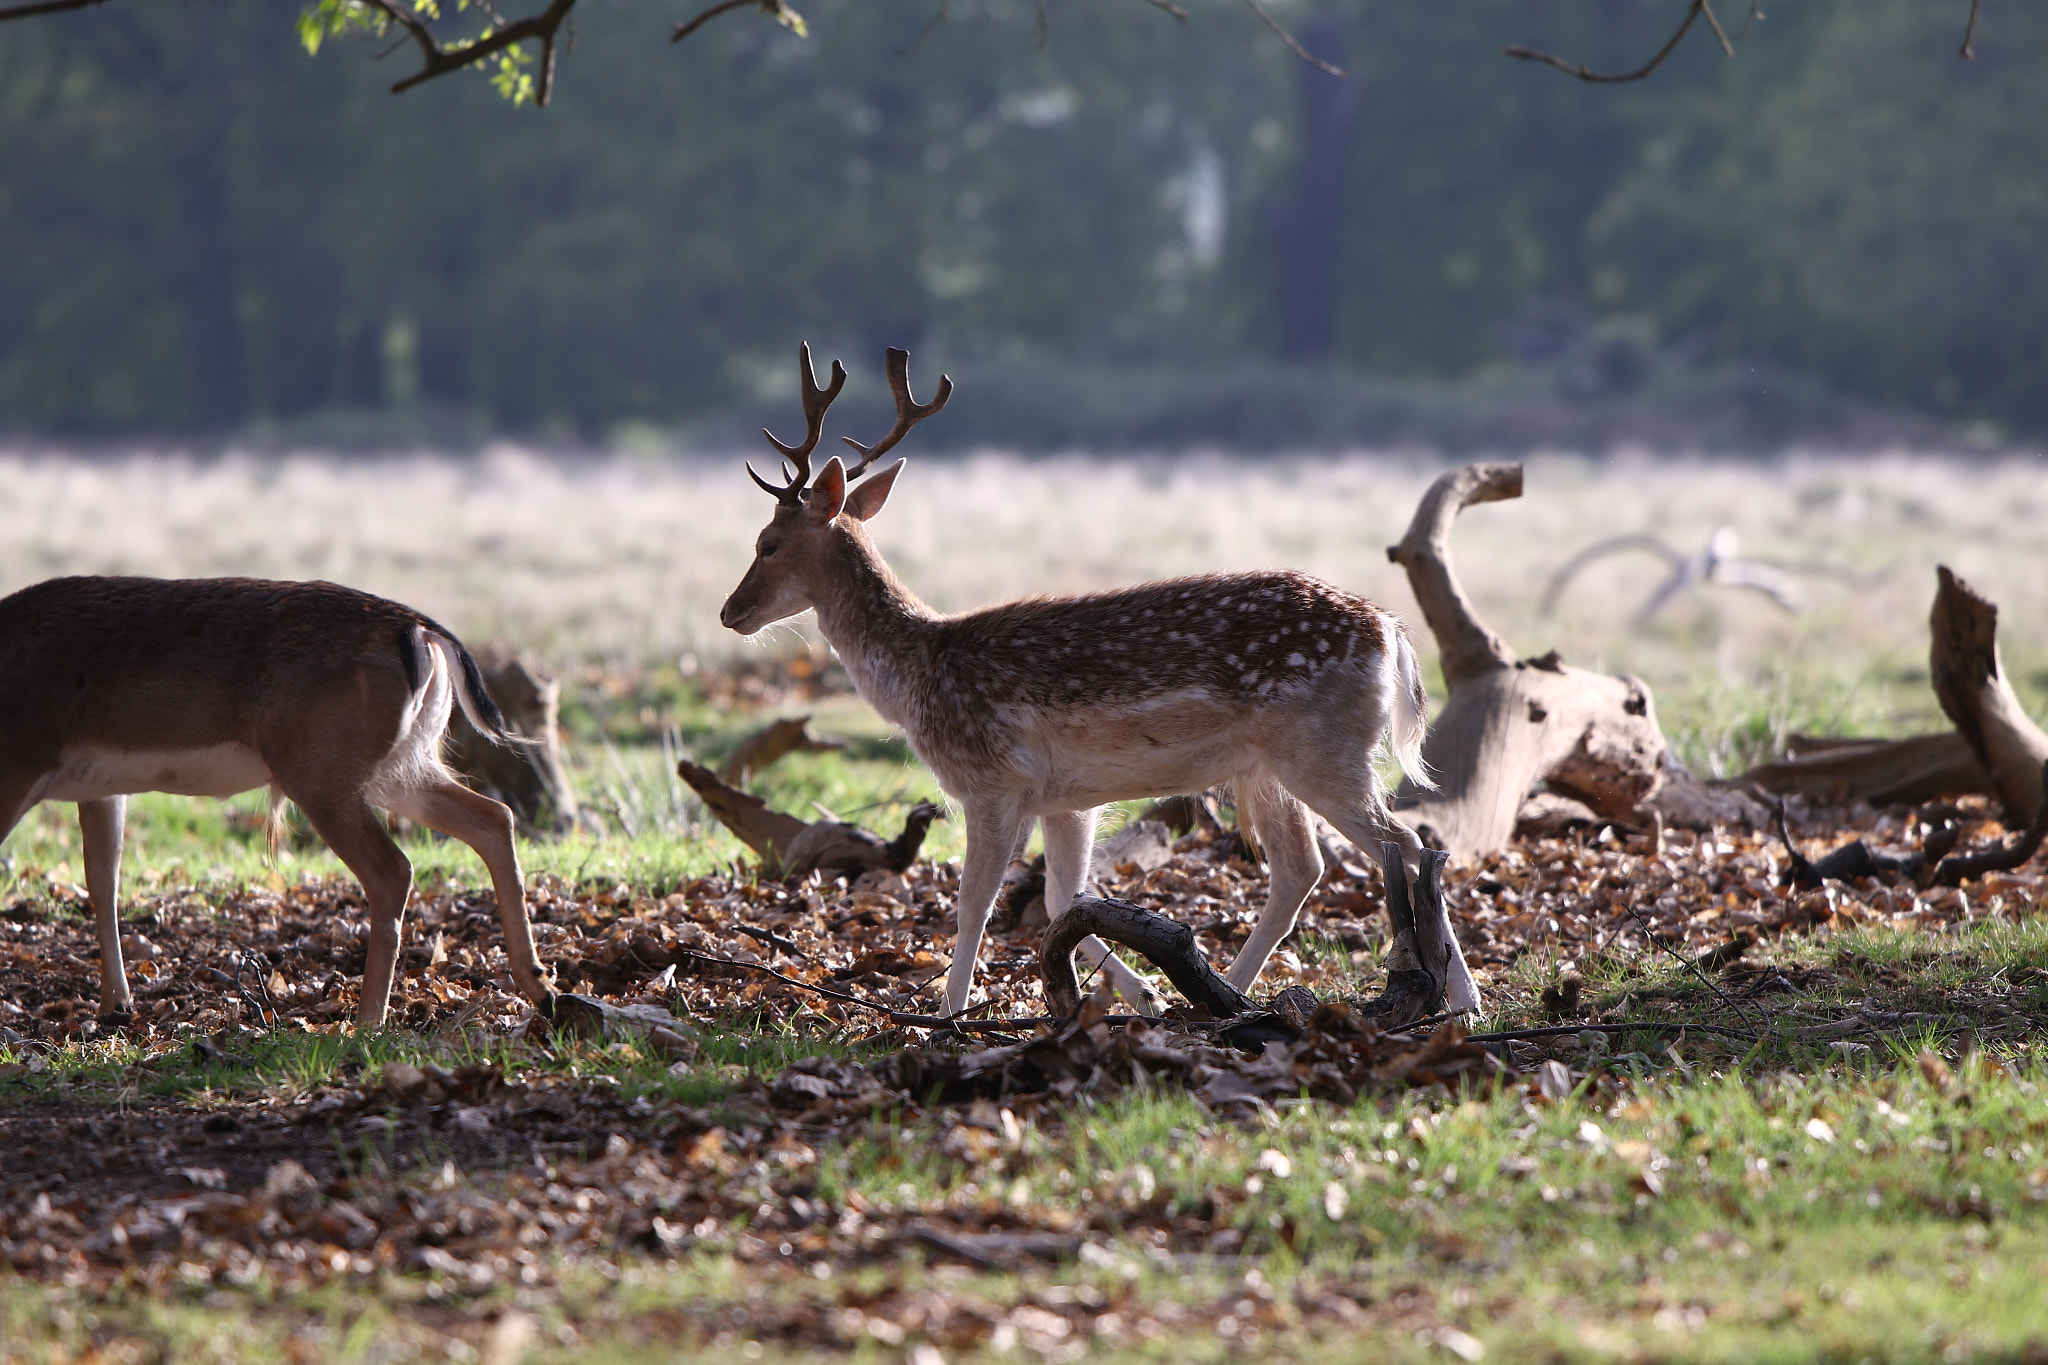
point(1765, 1215)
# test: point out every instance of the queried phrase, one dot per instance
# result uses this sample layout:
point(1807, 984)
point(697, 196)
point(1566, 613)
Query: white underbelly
point(217, 770)
point(1176, 744)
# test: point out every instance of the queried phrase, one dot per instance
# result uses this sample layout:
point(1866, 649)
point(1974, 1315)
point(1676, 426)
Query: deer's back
point(1229, 635)
point(190, 660)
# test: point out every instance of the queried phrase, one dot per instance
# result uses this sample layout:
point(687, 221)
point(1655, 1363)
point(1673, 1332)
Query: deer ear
point(867, 499)
point(828, 491)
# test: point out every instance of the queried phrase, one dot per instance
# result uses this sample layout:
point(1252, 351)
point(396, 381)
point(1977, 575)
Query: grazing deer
point(335, 699)
point(1050, 707)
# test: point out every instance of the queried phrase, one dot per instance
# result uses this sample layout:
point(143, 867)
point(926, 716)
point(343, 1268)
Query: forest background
point(1126, 232)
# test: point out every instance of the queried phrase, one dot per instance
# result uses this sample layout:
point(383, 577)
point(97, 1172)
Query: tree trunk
point(1308, 226)
point(1511, 725)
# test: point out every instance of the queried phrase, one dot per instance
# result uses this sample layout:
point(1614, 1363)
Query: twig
point(1288, 38)
point(1175, 10)
point(437, 60)
point(1526, 1034)
point(1689, 965)
point(1756, 15)
point(685, 29)
point(1714, 23)
point(769, 937)
point(944, 13)
point(57, 6)
point(1582, 72)
point(1968, 51)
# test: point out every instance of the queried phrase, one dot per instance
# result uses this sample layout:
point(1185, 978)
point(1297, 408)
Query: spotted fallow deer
point(1049, 707)
point(334, 699)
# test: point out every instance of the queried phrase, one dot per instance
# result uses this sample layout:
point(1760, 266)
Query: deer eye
point(768, 551)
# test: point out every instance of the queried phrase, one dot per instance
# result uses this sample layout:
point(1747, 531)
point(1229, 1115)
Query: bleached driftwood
point(1512, 724)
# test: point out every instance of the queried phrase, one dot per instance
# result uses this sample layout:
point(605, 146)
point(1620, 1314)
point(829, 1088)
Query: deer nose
point(729, 616)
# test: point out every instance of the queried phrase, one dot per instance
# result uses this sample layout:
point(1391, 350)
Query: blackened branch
point(437, 60)
point(30, 11)
point(685, 29)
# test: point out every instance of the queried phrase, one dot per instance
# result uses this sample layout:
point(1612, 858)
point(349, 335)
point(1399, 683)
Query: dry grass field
point(626, 557)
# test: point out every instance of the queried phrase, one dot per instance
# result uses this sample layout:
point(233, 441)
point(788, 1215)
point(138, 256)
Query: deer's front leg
point(991, 834)
point(99, 822)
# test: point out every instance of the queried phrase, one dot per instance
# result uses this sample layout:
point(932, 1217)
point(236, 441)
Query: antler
point(816, 400)
point(909, 412)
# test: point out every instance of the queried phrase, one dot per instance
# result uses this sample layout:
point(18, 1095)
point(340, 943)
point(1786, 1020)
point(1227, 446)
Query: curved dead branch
point(1168, 944)
point(1466, 646)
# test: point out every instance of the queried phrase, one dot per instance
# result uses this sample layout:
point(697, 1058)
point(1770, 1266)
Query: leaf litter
point(502, 1171)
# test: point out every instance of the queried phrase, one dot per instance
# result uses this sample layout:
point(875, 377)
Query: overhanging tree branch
point(1584, 73)
point(1288, 38)
point(45, 7)
point(439, 60)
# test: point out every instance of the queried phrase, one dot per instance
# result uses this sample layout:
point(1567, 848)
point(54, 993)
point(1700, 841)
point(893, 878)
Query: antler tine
point(909, 412)
point(816, 401)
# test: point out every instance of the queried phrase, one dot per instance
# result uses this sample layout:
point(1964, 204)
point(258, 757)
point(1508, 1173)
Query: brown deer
point(1049, 707)
point(335, 699)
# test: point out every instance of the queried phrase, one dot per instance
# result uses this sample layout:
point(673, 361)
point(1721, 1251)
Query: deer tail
point(1410, 719)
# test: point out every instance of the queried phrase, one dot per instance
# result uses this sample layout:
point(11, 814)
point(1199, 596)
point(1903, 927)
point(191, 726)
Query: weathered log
point(1167, 944)
point(1874, 772)
point(1511, 725)
point(1969, 680)
point(530, 778)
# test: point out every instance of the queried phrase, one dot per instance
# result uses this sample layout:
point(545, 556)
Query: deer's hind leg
point(486, 826)
point(99, 824)
point(1284, 832)
point(1342, 789)
point(356, 833)
point(1069, 844)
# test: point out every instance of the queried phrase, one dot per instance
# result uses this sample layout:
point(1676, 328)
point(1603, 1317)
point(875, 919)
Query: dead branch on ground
point(789, 847)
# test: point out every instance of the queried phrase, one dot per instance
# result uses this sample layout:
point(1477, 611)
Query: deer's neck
point(875, 623)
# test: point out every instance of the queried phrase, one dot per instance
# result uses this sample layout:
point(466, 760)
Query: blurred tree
point(1878, 219)
point(195, 235)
